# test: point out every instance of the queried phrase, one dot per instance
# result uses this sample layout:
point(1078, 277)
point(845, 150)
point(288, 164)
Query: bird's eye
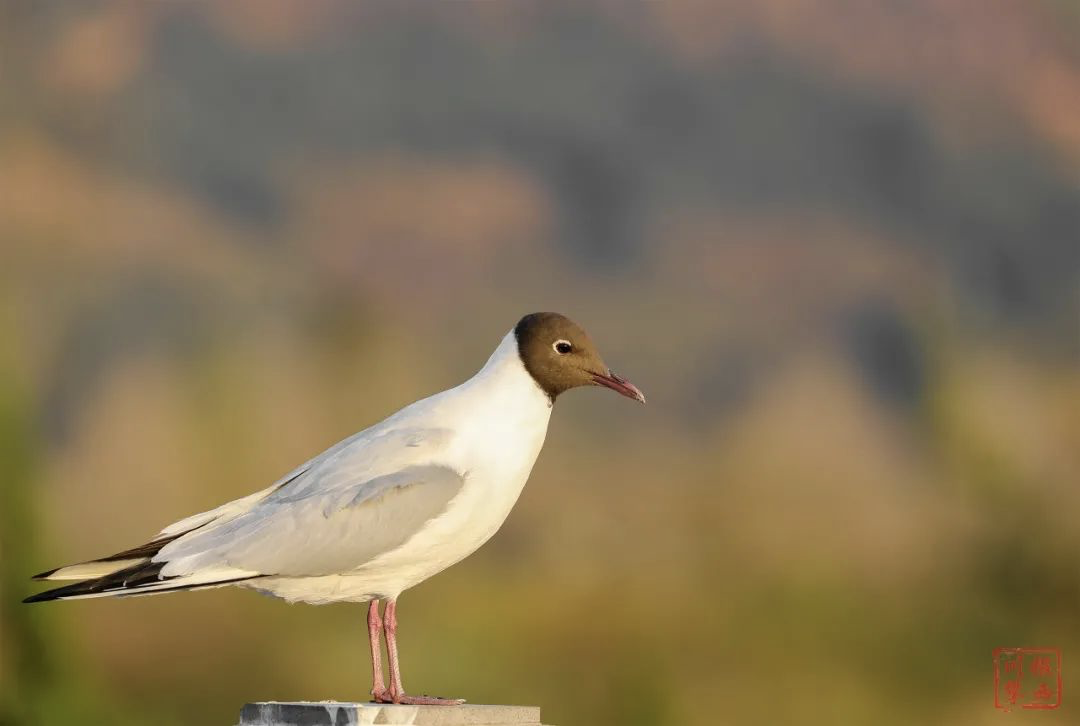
point(562, 347)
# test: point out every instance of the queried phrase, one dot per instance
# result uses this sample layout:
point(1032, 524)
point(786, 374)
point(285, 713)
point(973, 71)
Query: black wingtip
point(72, 590)
point(142, 552)
point(131, 577)
point(41, 597)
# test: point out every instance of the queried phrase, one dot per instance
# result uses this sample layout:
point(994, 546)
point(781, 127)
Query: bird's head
point(559, 355)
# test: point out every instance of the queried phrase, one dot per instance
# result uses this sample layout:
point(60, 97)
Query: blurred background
point(837, 244)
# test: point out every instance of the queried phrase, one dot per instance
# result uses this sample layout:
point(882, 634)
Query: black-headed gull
point(381, 511)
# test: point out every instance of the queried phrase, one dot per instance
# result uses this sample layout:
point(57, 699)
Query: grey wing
point(345, 466)
point(320, 532)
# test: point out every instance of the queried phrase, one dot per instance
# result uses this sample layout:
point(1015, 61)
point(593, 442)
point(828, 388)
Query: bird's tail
point(94, 569)
point(128, 573)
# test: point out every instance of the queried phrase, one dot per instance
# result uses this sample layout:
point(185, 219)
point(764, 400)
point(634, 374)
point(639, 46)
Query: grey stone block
point(333, 713)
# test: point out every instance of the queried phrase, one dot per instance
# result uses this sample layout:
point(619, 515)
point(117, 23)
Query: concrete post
point(333, 713)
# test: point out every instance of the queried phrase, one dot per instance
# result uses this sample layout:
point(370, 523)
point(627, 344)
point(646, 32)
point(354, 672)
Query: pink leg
point(397, 691)
point(374, 631)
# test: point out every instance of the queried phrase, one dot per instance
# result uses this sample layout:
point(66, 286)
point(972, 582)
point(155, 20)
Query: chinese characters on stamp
point(1027, 678)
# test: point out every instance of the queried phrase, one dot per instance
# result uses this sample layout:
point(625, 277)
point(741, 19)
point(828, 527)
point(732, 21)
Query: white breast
point(499, 418)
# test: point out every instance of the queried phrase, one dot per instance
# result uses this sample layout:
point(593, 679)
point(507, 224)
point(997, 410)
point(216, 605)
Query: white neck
point(506, 372)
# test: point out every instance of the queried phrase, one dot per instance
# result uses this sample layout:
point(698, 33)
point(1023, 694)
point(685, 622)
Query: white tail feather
point(91, 570)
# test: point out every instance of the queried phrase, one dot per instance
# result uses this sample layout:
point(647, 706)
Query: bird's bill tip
point(619, 385)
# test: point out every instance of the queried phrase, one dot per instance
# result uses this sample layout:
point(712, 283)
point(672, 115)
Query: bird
point(380, 511)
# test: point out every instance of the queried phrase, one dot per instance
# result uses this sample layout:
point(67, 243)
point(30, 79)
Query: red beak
point(619, 384)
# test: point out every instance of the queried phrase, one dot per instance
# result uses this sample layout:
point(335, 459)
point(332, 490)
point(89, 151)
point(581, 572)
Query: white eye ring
point(564, 344)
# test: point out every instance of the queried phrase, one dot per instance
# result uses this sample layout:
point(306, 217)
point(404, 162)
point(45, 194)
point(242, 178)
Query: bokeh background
point(836, 243)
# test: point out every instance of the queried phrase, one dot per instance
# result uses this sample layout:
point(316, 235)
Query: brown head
point(559, 355)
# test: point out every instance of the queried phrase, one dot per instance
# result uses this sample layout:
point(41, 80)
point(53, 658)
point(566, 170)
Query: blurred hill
point(837, 244)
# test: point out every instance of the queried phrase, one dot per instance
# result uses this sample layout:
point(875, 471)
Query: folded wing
point(362, 497)
point(322, 533)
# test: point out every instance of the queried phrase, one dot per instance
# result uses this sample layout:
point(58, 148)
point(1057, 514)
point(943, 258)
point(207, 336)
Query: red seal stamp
point(1027, 678)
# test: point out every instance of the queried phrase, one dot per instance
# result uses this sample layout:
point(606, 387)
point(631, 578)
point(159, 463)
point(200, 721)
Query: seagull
point(381, 511)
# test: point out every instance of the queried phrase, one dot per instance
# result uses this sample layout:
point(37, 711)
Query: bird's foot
point(405, 700)
point(381, 696)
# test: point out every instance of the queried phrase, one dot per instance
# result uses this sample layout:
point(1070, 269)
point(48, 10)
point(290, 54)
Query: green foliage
point(232, 238)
